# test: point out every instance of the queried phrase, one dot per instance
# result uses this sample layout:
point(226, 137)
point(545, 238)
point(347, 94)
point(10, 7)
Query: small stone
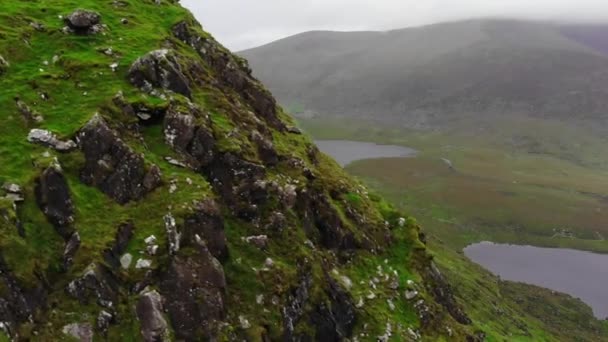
point(150, 240)
point(401, 222)
point(411, 294)
point(103, 321)
point(269, 262)
point(360, 303)
point(114, 67)
point(346, 282)
point(82, 332)
point(259, 299)
point(244, 323)
point(260, 241)
point(175, 162)
point(371, 296)
point(12, 188)
point(124, 21)
point(152, 250)
point(143, 263)
point(125, 261)
point(391, 305)
point(172, 188)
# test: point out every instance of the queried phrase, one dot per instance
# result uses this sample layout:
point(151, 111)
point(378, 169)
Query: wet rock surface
point(112, 166)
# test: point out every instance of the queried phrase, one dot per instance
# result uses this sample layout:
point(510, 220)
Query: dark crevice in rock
point(112, 166)
point(443, 294)
point(334, 320)
point(121, 241)
point(295, 306)
point(17, 304)
point(54, 199)
point(71, 247)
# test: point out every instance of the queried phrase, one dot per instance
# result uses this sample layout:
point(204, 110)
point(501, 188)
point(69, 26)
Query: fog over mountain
point(433, 75)
point(242, 24)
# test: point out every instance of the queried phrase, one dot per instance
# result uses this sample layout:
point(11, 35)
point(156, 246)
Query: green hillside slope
point(153, 190)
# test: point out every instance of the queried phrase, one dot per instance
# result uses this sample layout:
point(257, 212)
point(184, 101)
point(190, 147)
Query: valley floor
point(520, 184)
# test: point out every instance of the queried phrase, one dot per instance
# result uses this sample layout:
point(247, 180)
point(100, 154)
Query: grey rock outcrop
point(83, 332)
point(98, 284)
point(71, 247)
point(113, 255)
point(150, 314)
point(54, 199)
point(159, 69)
point(233, 73)
point(112, 166)
point(208, 224)
point(194, 287)
point(49, 139)
point(84, 22)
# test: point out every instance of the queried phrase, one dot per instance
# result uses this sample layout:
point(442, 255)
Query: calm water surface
point(346, 152)
point(580, 274)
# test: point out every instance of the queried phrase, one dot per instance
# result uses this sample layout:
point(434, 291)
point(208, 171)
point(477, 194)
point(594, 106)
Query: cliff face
point(153, 190)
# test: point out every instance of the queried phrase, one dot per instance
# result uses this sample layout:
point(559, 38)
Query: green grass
point(500, 193)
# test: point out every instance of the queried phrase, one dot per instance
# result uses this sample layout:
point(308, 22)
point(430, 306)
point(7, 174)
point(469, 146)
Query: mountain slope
point(153, 190)
point(434, 76)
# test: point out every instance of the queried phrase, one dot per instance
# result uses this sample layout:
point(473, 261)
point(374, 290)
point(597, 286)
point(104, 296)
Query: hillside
point(153, 190)
point(443, 76)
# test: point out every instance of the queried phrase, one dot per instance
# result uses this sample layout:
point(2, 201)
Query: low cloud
point(241, 24)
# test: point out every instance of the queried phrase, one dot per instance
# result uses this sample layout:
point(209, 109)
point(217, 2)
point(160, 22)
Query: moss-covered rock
point(188, 157)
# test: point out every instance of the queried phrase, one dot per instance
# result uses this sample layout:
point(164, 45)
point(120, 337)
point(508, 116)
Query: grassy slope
point(74, 71)
point(499, 193)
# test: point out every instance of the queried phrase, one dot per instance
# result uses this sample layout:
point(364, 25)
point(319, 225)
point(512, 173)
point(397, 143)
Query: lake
point(346, 152)
point(580, 274)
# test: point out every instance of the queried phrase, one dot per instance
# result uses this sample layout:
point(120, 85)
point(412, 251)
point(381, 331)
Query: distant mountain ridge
point(432, 75)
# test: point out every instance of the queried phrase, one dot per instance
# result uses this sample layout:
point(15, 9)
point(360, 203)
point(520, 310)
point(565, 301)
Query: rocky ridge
point(183, 203)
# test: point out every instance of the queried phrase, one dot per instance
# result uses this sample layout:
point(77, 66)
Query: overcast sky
point(240, 24)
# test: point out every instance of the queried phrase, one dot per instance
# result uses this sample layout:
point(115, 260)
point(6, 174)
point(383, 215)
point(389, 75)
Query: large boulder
point(54, 199)
point(194, 287)
point(208, 224)
point(97, 283)
point(159, 69)
point(112, 166)
point(84, 21)
point(187, 136)
point(150, 314)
